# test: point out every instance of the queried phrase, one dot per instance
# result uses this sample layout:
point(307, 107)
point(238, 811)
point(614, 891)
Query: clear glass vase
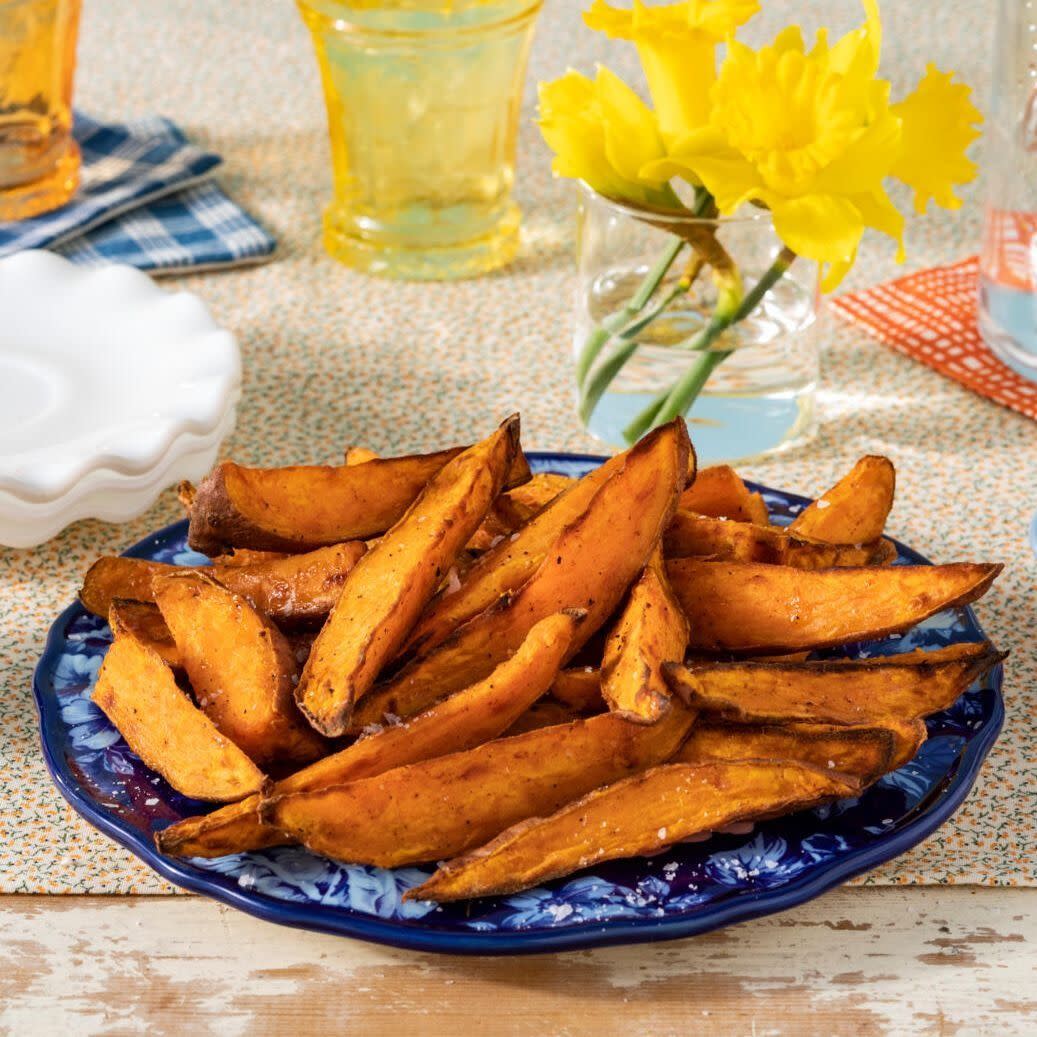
point(760, 398)
point(423, 101)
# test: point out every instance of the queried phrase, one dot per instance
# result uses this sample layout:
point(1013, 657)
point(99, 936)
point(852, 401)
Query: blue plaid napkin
point(143, 200)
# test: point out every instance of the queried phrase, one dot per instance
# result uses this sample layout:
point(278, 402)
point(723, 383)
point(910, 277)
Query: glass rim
point(676, 219)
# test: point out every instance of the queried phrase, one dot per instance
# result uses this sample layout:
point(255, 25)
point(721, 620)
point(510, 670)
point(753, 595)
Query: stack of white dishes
point(111, 390)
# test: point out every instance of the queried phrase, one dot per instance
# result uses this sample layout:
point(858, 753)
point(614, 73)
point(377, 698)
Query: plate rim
point(412, 935)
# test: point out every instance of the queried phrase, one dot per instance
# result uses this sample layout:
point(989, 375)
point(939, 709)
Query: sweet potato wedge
point(445, 806)
point(830, 692)
point(651, 630)
point(241, 668)
point(306, 506)
point(519, 505)
point(690, 535)
point(469, 718)
point(589, 566)
point(752, 608)
point(359, 455)
point(513, 509)
point(244, 556)
point(137, 692)
point(545, 713)
point(506, 566)
point(720, 493)
point(640, 815)
point(580, 689)
point(294, 589)
point(393, 582)
point(144, 621)
point(908, 737)
point(854, 511)
point(863, 752)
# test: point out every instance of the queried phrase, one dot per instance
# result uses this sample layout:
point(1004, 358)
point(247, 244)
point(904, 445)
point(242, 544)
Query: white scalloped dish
point(111, 389)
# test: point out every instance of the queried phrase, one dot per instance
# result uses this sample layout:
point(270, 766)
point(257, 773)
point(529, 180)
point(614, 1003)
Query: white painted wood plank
point(857, 962)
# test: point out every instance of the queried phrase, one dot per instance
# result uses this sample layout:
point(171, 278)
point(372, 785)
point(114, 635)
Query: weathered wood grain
point(858, 962)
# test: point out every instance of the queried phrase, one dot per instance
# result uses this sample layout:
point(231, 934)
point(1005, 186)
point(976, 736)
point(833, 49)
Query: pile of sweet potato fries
point(444, 658)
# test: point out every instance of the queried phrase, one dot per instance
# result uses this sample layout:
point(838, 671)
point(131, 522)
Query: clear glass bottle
point(1008, 262)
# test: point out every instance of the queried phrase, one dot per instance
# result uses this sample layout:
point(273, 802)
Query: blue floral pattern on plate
point(687, 889)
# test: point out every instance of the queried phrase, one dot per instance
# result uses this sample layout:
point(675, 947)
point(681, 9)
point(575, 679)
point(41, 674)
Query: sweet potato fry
point(505, 567)
point(720, 493)
point(144, 621)
point(863, 752)
point(516, 507)
point(306, 506)
point(831, 692)
point(394, 581)
point(294, 589)
point(580, 689)
point(443, 807)
point(469, 718)
point(640, 815)
point(545, 713)
point(589, 566)
point(754, 608)
point(359, 455)
point(650, 631)
point(690, 535)
point(138, 693)
point(243, 556)
point(519, 505)
point(908, 737)
point(241, 667)
point(854, 511)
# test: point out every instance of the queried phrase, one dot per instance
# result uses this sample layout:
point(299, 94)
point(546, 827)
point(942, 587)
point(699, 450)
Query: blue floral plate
point(689, 889)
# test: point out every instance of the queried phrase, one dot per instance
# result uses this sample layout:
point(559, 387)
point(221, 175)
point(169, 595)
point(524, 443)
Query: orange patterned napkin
point(931, 316)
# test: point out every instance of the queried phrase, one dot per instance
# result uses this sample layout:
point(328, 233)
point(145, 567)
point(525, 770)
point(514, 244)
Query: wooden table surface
point(856, 962)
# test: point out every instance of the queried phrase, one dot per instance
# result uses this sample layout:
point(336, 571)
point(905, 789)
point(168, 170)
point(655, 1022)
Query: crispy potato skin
point(650, 631)
point(854, 511)
point(831, 692)
point(690, 535)
point(144, 621)
point(469, 718)
point(580, 689)
point(445, 806)
point(590, 566)
point(720, 493)
point(640, 815)
point(393, 582)
point(137, 692)
point(866, 753)
point(306, 506)
point(241, 667)
point(753, 608)
point(293, 589)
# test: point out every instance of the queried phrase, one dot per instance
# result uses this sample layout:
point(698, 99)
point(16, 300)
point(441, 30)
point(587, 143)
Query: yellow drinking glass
point(39, 160)
point(423, 101)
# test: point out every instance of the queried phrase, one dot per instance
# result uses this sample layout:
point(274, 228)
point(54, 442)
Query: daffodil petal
point(879, 213)
point(631, 133)
point(938, 123)
point(824, 227)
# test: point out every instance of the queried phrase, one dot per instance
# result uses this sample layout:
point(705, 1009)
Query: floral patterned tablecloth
point(332, 358)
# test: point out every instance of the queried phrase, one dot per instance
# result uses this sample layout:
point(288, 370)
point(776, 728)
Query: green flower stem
point(684, 392)
point(602, 334)
point(627, 346)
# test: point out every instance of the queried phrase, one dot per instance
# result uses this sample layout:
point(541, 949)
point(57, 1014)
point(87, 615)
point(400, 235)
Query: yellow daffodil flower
point(676, 44)
point(811, 135)
point(939, 123)
point(602, 133)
